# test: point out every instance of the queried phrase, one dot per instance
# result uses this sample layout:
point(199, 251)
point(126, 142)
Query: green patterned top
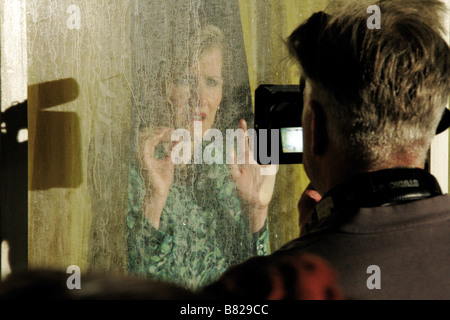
point(202, 229)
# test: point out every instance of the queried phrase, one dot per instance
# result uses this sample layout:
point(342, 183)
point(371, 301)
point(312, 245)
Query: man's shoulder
point(397, 239)
point(415, 216)
point(412, 214)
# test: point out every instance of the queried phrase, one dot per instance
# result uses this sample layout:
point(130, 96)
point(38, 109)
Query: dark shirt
point(409, 244)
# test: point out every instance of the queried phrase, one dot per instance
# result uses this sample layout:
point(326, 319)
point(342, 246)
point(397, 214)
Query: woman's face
point(197, 95)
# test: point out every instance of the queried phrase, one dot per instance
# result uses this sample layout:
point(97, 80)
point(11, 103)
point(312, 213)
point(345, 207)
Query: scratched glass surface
point(186, 222)
point(106, 76)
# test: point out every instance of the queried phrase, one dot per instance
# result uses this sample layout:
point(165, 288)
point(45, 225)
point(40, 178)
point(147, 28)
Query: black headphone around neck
point(379, 188)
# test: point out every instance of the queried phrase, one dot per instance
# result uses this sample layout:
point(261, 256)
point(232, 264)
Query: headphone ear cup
point(445, 122)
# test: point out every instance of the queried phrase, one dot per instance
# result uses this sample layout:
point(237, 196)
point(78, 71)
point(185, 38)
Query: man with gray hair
point(373, 100)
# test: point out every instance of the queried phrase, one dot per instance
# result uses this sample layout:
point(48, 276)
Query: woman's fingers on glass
point(248, 152)
point(243, 125)
point(156, 135)
point(156, 143)
point(175, 142)
point(234, 168)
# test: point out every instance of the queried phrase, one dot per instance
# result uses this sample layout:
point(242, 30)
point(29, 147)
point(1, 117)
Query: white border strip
point(14, 75)
point(439, 160)
point(13, 52)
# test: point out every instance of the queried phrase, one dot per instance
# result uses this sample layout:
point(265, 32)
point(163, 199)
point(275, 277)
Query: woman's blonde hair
point(210, 37)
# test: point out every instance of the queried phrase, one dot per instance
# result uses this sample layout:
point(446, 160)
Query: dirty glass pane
point(187, 223)
point(108, 83)
point(79, 123)
point(266, 24)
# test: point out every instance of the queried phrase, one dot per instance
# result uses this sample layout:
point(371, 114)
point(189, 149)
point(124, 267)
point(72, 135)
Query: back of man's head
point(385, 88)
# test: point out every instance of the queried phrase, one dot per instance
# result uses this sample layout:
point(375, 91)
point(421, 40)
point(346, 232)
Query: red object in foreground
point(302, 277)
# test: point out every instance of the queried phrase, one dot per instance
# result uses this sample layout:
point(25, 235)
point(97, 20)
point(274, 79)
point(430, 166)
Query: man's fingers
point(313, 195)
point(308, 200)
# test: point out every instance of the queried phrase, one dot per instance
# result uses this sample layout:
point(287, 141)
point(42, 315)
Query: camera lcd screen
point(278, 124)
point(292, 140)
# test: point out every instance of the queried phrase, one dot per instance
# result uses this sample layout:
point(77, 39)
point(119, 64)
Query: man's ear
point(319, 134)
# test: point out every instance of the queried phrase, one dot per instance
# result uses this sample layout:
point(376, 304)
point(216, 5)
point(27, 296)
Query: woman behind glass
point(188, 223)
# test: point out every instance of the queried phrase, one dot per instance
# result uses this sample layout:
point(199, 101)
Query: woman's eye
point(212, 82)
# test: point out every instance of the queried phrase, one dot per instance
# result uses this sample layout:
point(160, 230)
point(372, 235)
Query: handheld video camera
point(278, 124)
